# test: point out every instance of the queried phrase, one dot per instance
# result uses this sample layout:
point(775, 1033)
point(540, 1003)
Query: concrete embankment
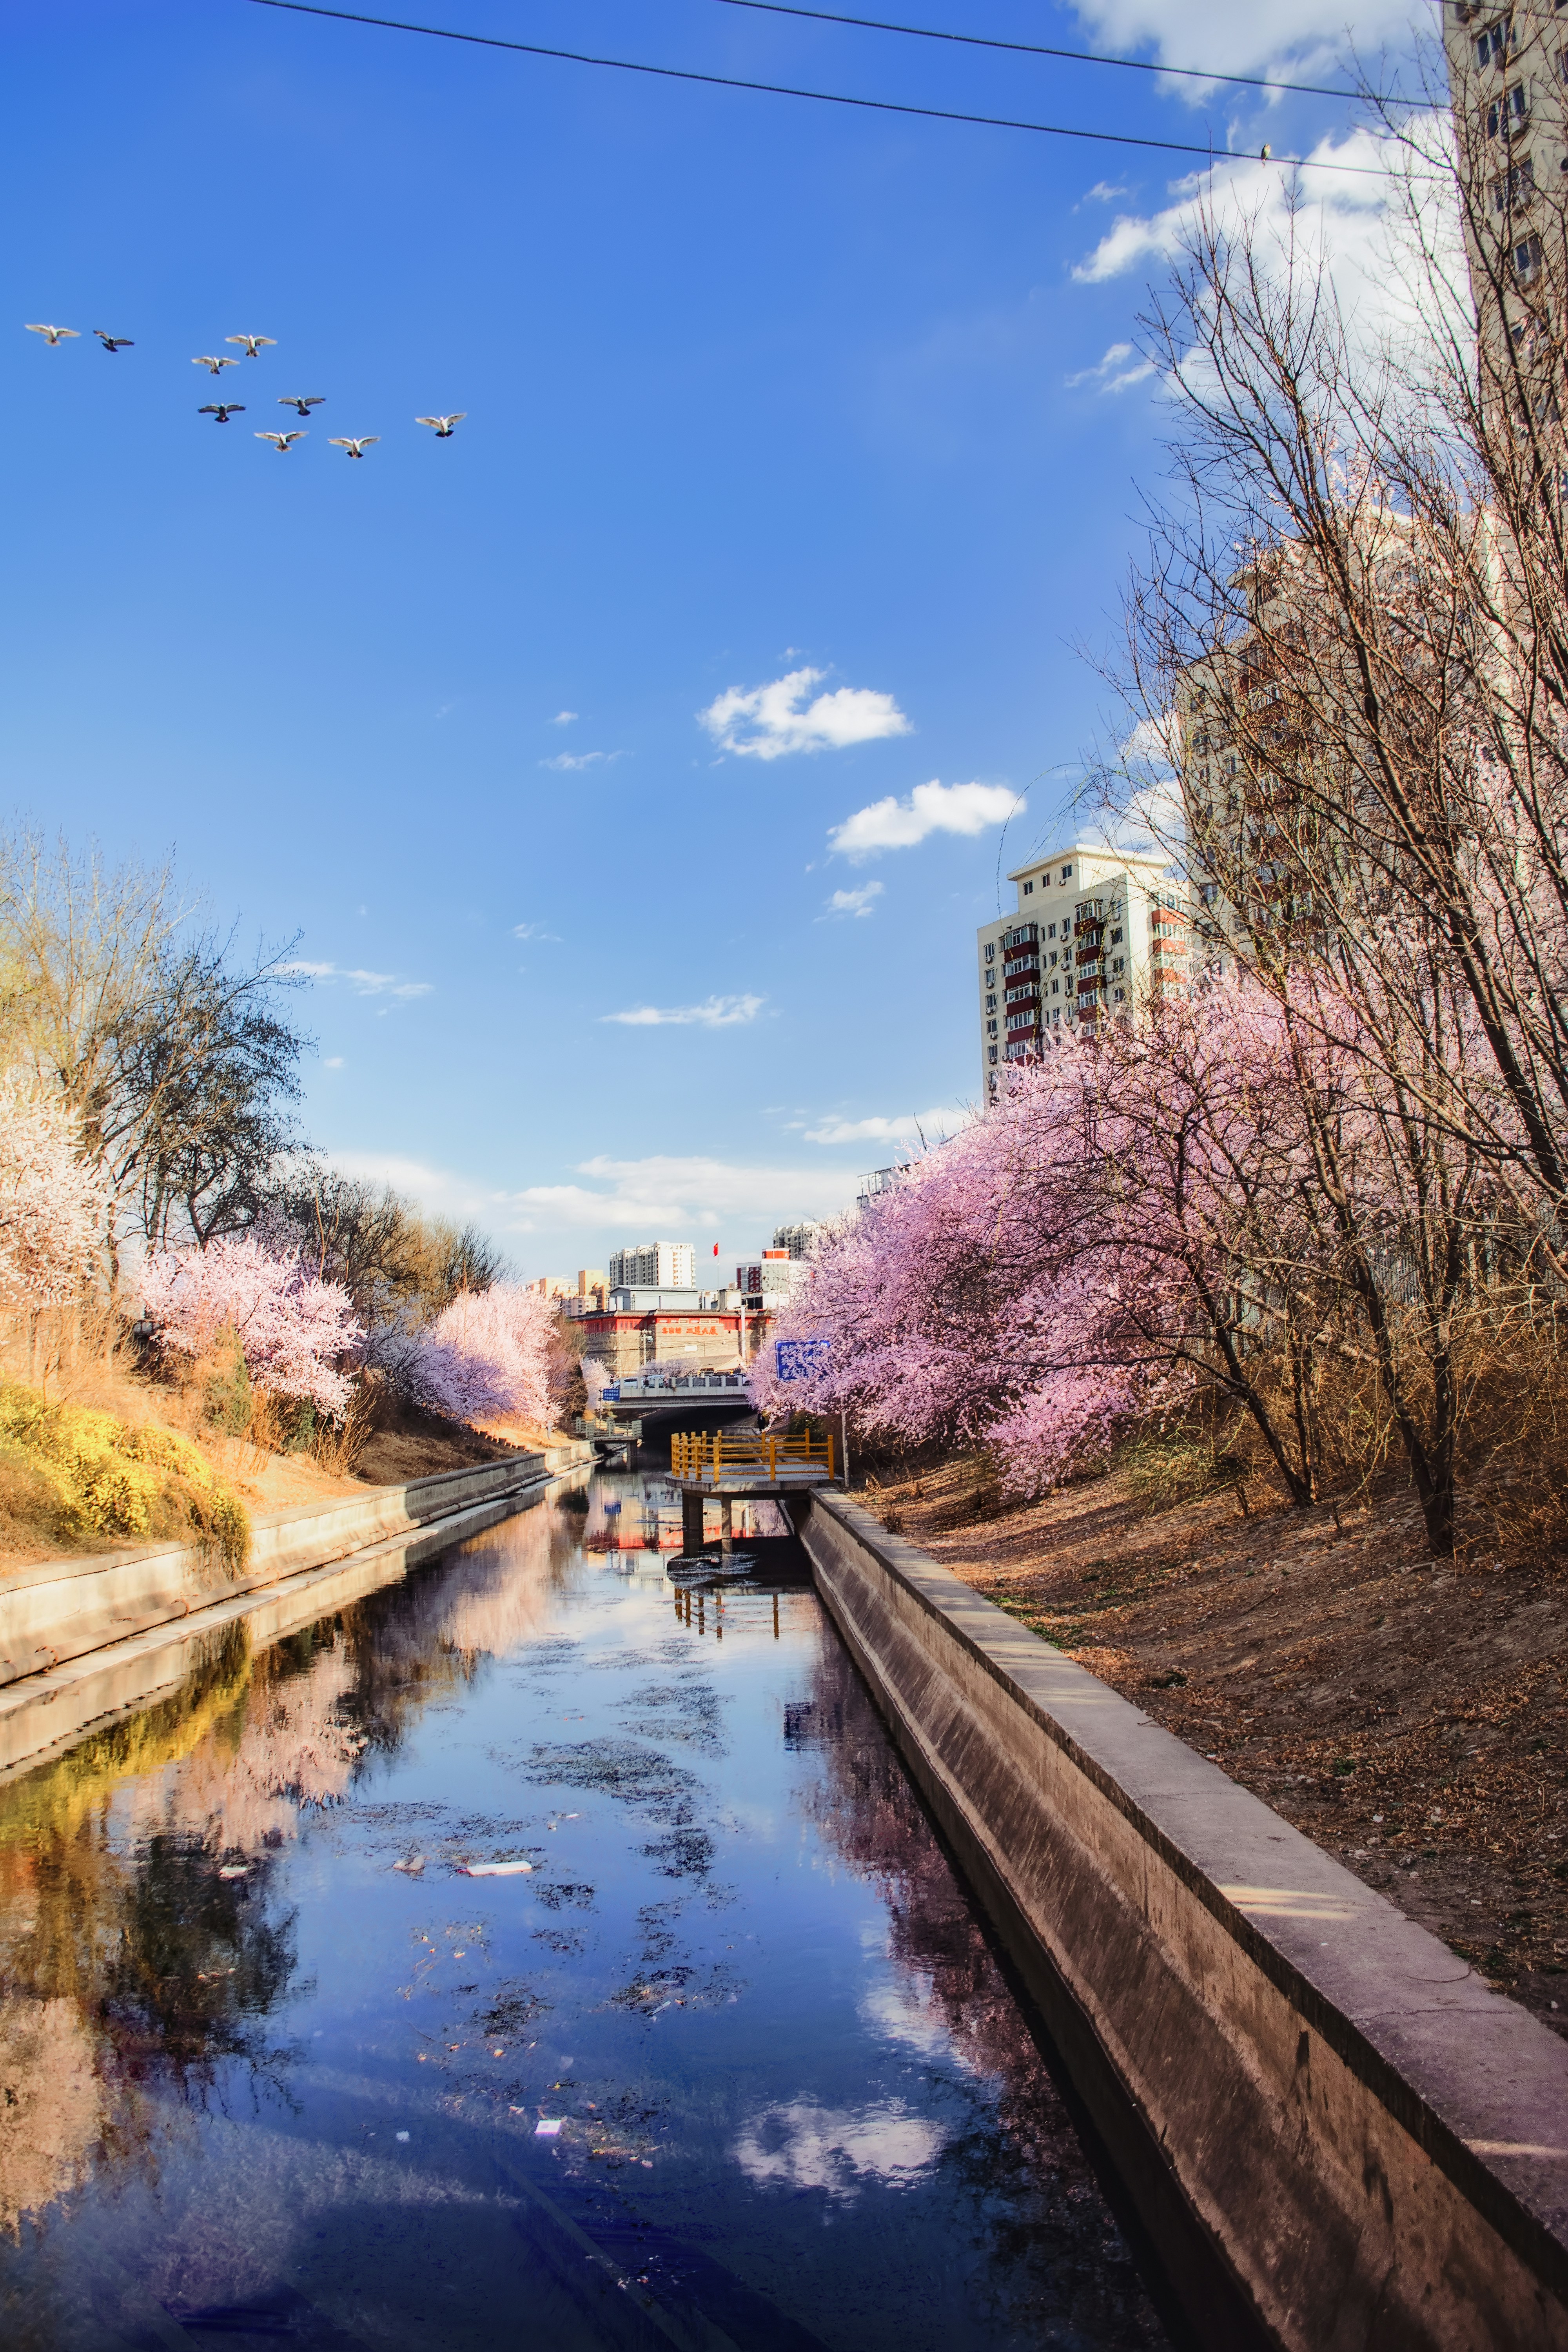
point(107, 1633)
point(1335, 2134)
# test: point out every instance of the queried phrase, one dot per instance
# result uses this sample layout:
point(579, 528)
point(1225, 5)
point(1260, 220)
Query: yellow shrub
point(109, 1479)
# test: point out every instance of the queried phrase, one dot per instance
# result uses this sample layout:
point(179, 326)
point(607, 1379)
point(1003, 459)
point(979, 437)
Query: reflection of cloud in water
point(908, 2012)
point(804, 2146)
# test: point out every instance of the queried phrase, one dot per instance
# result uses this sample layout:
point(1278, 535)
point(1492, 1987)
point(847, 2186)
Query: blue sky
point(756, 391)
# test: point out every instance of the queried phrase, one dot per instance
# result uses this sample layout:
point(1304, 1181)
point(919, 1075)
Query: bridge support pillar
point(692, 1522)
point(726, 1525)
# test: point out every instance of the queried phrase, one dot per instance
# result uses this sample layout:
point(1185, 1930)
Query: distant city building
point(654, 1266)
point(1094, 932)
point(769, 1280)
point(879, 1180)
point(552, 1285)
point(589, 1280)
point(702, 1330)
point(796, 1240)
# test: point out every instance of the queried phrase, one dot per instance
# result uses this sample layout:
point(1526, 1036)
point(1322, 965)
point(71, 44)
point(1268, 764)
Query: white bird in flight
point(208, 361)
point(112, 343)
point(443, 423)
point(252, 343)
point(54, 334)
point(355, 449)
point(282, 441)
point(223, 410)
point(303, 401)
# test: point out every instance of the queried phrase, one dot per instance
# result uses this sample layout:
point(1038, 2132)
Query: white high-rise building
point(1094, 932)
point(654, 1266)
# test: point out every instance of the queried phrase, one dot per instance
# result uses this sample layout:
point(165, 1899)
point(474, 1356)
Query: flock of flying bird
point(254, 345)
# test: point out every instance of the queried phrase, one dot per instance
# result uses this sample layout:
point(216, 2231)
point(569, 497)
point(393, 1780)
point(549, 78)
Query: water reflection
point(731, 2054)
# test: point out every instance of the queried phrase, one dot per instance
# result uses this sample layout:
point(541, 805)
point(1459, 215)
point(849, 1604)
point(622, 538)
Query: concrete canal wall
point(1335, 2134)
point(111, 1632)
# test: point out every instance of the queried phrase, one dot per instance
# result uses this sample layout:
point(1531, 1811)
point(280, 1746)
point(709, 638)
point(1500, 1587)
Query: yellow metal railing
point(701, 1454)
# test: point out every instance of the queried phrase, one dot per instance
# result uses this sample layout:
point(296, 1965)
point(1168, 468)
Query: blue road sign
point(797, 1359)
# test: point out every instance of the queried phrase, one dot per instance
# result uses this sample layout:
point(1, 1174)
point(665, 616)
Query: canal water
point(730, 2063)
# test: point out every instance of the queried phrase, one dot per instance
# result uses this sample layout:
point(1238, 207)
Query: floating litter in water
point(403, 2135)
point(548, 2127)
point(412, 1867)
point(234, 1870)
point(492, 1869)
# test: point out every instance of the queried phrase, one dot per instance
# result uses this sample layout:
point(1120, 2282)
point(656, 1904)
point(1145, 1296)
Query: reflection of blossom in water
point(52, 2118)
point(296, 1746)
point(804, 2146)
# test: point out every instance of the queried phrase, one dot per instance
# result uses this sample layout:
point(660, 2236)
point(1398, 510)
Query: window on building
point(991, 1005)
point(1051, 931)
point(1055, 988)
point(990, 950)
point(1067, 873)
point(1527, 259)
point(1115, 939)
point(1508, 113)
point(990, 1053)
point(1029, 889)
point(1495, 43)
point(991, 1025)
point(1515, 186)
point(1119, 963)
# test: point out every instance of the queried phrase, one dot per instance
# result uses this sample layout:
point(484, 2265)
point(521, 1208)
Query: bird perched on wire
point(252, 343)
point(282, 441)
point(112, 343)
point(223, 409)
point(208, 361)
point(54, 334)
point(355, 449)
point(302, 401)
point(443, 423)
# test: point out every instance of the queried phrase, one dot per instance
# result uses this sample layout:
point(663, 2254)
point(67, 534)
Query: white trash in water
point(493, 1869)
point(548, 2127)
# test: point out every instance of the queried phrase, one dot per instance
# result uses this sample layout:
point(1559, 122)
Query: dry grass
point(1410, 1715)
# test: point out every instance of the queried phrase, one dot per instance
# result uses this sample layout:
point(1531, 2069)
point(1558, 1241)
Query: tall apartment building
point(796, 1240)
point(1095, 933)
point(1508, 77)
point(654, 1266)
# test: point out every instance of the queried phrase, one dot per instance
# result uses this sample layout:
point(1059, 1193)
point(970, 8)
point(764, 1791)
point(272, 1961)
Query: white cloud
point(568, 762)
point(333, 1062)
point(1244, 36)
point(564, 717)
point(853, 902)
point(931, 808)
point(1104, 192)
point(765, 722)
point(364, 983)
point(1346, 216)
point(931, 1124)
point(805, 2145)
point(661, 1195)
point(534, 931)
point(1113, 374)
point(713, 1012)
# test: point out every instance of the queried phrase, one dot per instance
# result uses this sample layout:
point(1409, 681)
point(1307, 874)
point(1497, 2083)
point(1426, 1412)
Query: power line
point(1036, 50)
point(1210, 154)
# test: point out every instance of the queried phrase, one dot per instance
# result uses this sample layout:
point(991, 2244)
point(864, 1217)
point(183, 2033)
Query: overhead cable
point(1210, 154)
point(1077, 57)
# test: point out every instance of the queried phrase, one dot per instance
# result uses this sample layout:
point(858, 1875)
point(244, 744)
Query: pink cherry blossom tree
point(297, 1332)
point(52, 1200)
point(488, 1354)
